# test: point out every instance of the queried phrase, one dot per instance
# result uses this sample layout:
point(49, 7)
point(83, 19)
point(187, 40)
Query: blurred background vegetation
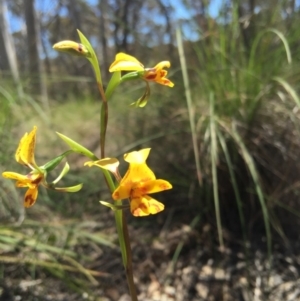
point(227, 135)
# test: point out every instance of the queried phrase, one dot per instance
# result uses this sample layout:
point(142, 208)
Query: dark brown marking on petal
point(151, 76)
point(143, 190)
point(28, 201)
point(37, 181)
point(80, 48)
point(142, 206)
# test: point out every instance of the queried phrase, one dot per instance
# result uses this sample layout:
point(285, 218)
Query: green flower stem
point(128, 266)
point(103, 127)
point(124, 240)
point(109, 181)
point(121, 223)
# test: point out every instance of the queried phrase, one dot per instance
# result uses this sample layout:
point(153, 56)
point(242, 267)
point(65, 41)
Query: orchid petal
point(125, 62)
point(14, 176)
point(145, 205)
point(122, 192)
point(137, 156)
point(25, 151)
point(140, 173)
point(30, 197)
point(110, 164)
point(149, 187)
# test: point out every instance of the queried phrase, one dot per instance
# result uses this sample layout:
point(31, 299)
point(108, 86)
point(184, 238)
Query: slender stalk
point(103, 120)
point(124, 241)
point(128, 266)
point(121, 223)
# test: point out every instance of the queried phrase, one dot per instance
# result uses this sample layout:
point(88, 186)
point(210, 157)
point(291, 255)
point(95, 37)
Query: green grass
point(234, 94)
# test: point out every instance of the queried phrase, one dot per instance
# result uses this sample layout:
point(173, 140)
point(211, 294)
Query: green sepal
point(74, 188)
point(142, 101)
point(93, 58)
point(49, 166)
point(76, 147)
point(113, 83)
point(131, 76)
point(64, 171)
point(114, 207)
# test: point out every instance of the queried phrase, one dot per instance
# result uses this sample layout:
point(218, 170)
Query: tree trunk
point(74, 13)
point(35, 68)
point(103, 6)
point(8, 59)
point(32, 45)
point(166, 12)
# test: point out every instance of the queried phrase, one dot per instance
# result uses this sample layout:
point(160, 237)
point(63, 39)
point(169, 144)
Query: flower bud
point(73, 48)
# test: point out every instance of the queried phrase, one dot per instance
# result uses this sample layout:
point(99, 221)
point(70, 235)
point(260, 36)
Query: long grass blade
point(288, 89)
point(257, 40)
point(52, 265)
point(189, 102)
point(259, 191)
point(214, 159)
point(238, 199)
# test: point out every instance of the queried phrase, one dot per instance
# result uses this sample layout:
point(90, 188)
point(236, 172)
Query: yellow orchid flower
point(125, 62)
point(25, 156)
point(32, 181)
point(138, 182)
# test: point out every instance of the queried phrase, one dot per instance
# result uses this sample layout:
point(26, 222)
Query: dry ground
point(172, 261)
